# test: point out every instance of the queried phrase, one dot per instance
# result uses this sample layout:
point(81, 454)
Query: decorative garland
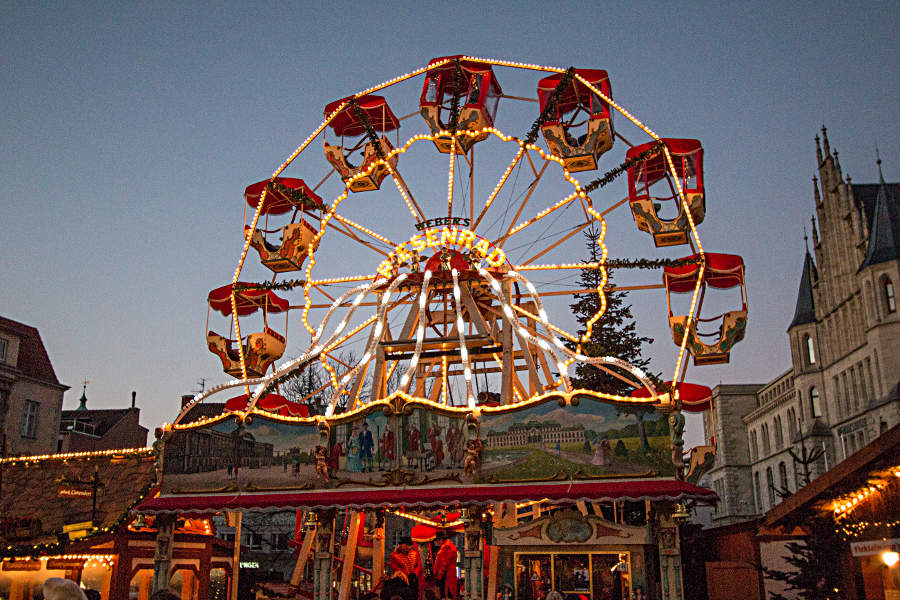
point(287, 284)
point(454, 102)
point(612, 174)
point(297, 195)
point(564, 82)
point(650, 263)
point(370, 131)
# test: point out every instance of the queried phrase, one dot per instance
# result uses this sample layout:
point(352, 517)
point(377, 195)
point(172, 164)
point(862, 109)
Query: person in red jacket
point(405, 564)
point(445, 565)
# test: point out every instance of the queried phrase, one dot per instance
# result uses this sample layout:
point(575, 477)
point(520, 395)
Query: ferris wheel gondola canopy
point(694, 397)
point(284, 195)
point(577, 93)
point(687, 155)
point(248, 301)
point(722, 271)
point(374, 108)
point(274, 403)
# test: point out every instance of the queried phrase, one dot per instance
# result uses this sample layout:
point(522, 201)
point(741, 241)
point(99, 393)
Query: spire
point(805, 311)
point(884, 237)
point(837, 166)
point(815, 232)
point(816, 191)
point(83, 399)
point(818, 150)
point(825, 146)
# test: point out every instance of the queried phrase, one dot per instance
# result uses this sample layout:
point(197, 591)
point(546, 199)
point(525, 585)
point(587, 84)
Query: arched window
point(757, 494)
point(770, 484)
point(810, 350)
point(889, 300)
point(814, 404)
point(782, 476)
point(754, 446)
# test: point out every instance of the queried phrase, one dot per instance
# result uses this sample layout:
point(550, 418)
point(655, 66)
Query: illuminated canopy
point(375, 109)
point(722, 271)
point(287, 194)
point(248, 301)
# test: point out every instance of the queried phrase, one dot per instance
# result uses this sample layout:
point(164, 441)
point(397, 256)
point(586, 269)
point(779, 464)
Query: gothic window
point(815, 405)
point(770, 485)
point(779, 433)
point(782, 476)
point(890, 302)
point(756, 492)
point(754, 446)
point(767, 448)
point(792, 424)
point(810, 350)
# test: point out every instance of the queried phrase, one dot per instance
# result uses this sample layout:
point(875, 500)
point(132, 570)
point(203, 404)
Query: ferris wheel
point(442, 246)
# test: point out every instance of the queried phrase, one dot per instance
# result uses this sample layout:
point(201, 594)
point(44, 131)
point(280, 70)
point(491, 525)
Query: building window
point(814, 403)
point(280, 541)
point(754, 446)
point(779, 434)
point(29, 419)
point(770, 485)
point(254, 541)
point(782, 476)
point(756, 492)
point(810, 351)
point(792, 424)
point(889, 300)
point(2, 350)
point(766, 444)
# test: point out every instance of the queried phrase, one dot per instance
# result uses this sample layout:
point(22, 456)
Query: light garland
point(125, 452)
point(844, 505)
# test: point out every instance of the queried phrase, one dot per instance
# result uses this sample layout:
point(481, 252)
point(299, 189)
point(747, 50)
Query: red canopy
point(375, 108)
point(694, 397)
point(564, 491)
point(576, 92)
point(277, 201)
point(656, 165)
point(722, 271)
point(271, 403)
point(423, 533)
point(467, 66)
point(248, 301)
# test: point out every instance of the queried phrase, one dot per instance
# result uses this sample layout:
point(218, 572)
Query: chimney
point(133, 397)
point(185, 400)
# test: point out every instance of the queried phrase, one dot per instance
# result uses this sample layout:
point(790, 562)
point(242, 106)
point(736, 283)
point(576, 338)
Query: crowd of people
point(408, 578)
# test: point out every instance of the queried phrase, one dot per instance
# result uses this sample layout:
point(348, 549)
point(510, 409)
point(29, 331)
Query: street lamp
point(890, 558)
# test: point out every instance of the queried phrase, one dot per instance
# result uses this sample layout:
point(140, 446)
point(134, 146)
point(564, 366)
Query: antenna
point(202, 385)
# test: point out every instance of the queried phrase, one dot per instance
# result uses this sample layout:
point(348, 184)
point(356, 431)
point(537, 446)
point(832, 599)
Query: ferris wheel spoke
point(414, 209)
point(575, 230)
point(498, 187)
point(347, 232)
point(525, 224)
point(451, 176)
point(365, 230)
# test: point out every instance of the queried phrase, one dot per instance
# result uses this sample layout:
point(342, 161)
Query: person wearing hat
point(445, 565)
point(405, 564)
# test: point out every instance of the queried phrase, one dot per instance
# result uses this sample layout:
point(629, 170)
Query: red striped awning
point(422, 497)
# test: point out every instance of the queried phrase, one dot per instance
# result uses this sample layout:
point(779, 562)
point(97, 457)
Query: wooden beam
point(303, 556)
point(349, 557)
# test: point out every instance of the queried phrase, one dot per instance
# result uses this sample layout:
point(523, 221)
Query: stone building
point(30, 394)
point(842, 389)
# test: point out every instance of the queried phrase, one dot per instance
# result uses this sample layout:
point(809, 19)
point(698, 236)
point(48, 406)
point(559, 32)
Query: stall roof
point(846, 476)
point(562, 491)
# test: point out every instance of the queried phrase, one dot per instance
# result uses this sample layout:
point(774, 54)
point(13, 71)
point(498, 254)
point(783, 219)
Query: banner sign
point(66, 491)
point(403, 441)
point(873, 547)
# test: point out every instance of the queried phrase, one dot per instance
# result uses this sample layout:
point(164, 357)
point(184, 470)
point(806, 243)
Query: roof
point(33, 494)
point(847, 475)
point(32, 360)
point(883, 217)
point(101, 419)
point(805, 311)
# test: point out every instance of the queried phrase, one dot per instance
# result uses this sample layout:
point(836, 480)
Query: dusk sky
point(130, 131)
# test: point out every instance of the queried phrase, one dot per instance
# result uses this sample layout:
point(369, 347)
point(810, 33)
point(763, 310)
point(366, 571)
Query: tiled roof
point(884, 225)
point(101, 419)
point(32, 491)
point(32, 359)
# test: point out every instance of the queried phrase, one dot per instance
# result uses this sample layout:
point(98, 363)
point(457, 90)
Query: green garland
point(297, 195)
point(612, 174)
point(370, 131)
point(454, 102)
point(287, 284)
point(564, 82)
point(649, 263)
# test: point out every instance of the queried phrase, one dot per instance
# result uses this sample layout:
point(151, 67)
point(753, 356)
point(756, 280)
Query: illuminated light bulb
point(507, 311)
point(890, 558)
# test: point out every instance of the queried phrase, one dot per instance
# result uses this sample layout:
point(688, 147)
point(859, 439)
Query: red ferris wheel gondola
point(272, 403)
point(650, 184)
point(284, 195)
point(578, 143)
point(260, 349)
point(722, 271)
point(479, 94)
point(348, 124)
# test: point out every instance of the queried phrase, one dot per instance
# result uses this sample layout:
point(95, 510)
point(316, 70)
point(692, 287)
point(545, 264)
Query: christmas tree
point(614, 334)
